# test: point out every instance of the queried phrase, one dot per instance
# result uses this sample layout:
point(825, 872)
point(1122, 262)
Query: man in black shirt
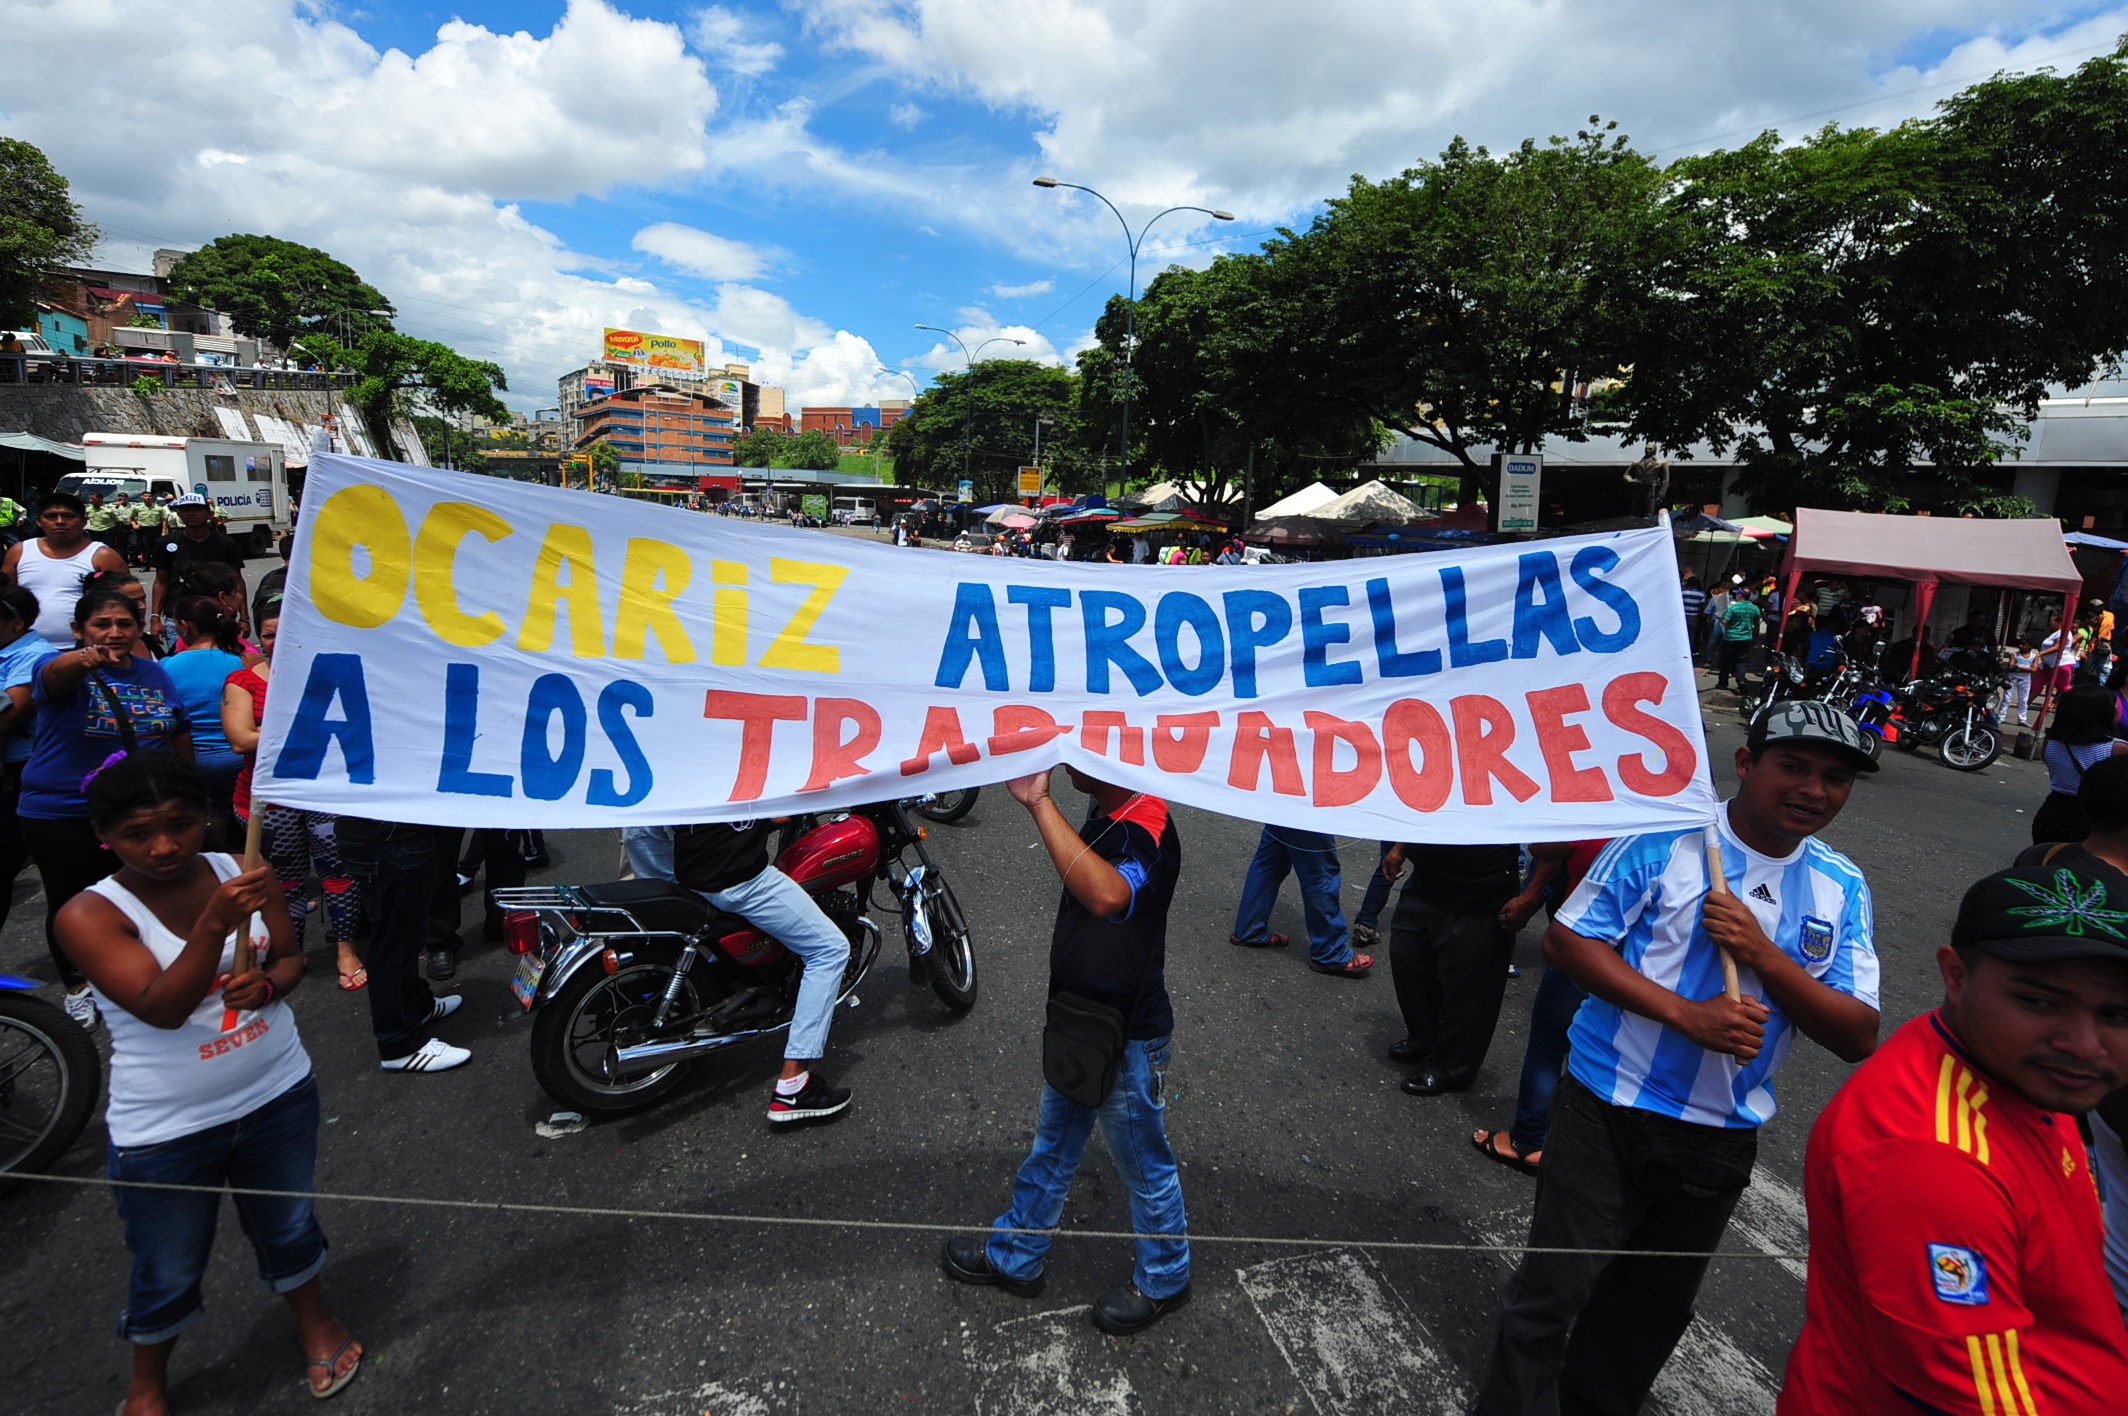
point(1109, 945)
point(177, 553)
point(727, 862)
point(1449, 944)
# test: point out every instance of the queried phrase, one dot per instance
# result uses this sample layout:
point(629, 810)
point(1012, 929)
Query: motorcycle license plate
point(525, 982)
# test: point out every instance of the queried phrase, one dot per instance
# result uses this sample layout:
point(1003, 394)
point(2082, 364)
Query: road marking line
point(1348, 1337)
point(1772, 1218)
point(773, 1395)
point(1708, 1375)
point(1050, 1364)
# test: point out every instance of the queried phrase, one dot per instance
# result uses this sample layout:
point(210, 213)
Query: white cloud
point(1021, 292)
point(905, 115)
point(726, 39)
point(710, 256)
point(978, 329)
point(409, 167)
point(1223, 104)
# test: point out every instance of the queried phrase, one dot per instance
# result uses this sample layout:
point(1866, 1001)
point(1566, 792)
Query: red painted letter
point(759, 712)
point(1425, 787)
point(1335, 788)
point(833, 758)
point(1485, 730)
point(942, 733)
point(1622, 698)
point(1257, 740)
point(1561, 740)
point(1094, 733)
point(1180, 740)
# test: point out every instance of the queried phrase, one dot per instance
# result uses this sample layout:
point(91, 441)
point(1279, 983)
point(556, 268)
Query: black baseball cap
point(1798, 720)
point(2040, 914)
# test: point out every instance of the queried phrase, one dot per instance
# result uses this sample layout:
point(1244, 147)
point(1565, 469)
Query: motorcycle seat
point(655, 904)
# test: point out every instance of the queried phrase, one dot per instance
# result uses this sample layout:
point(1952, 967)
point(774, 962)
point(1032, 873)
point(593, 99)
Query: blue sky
point(802, 183)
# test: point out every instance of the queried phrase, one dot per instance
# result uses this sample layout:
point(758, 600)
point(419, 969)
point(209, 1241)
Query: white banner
point(468, 651)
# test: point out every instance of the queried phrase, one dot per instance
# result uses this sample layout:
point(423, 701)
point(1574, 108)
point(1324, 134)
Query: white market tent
point(1301, 503)
point(1170, 496)
point(1370, 501)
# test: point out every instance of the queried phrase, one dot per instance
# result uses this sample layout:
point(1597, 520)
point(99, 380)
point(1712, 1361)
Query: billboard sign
point(1030, 481)
point(598, 386)
point(663, 352)
point(1520, 475)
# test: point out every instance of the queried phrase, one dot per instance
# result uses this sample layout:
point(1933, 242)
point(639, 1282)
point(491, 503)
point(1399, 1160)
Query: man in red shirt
point(1955, 1259)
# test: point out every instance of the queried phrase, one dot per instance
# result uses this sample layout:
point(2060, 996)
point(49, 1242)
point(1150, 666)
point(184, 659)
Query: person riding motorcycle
point(727, 862)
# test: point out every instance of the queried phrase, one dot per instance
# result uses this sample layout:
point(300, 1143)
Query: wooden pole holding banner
point(244, 961)
point(1718, 884)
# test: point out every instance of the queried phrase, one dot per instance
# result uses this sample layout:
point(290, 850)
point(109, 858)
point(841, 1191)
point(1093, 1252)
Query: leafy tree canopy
point(813, 451)
point(279, 291)
point(984, 420)
point(397, 373)
point(41, 230)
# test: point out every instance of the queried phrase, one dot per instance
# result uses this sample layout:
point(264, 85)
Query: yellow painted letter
point(727, 645)
point(566, 549)
point(790, 649)
point(436, 572)
point(369, 518)
point(646, 607)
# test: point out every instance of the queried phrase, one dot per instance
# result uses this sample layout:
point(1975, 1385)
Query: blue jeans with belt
point(1134, 1121)
point(170, 1233)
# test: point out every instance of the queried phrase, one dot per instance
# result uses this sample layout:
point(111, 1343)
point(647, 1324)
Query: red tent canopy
point(2025, 554)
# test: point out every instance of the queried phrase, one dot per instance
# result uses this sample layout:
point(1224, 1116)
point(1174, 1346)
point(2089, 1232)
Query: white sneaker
point(435, 1055)
point(446, 1005)
point(81, 1007)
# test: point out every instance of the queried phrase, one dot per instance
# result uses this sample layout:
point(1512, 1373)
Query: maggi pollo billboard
point(655, 351)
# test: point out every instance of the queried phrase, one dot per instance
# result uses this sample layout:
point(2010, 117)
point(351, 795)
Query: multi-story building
point(732, 384)
point(665, 430)
point(853, 427)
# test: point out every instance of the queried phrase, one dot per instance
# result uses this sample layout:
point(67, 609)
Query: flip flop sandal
point(1484, 1144)
point(1269, 941)
point(330, 1364)
point(355, 981)
point(1358, 966)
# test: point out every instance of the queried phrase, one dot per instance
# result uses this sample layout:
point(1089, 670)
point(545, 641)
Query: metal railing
point(122, 373)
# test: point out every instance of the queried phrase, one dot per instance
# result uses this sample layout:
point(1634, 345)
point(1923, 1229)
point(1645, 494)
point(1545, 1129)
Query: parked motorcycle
point(631, 982)
point(49, 1076)
point(949, 806)
point(1949, 713)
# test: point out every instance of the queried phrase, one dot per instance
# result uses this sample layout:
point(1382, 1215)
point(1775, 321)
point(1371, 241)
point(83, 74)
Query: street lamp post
point(1039, 423)
point(1130, 305)
point(968, 418)
point(998, 339)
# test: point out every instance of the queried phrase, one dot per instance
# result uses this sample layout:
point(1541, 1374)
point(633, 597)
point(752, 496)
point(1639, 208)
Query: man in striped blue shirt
point(1655, 1127)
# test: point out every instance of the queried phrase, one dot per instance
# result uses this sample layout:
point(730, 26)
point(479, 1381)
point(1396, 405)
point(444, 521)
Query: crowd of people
point(1960, 1259)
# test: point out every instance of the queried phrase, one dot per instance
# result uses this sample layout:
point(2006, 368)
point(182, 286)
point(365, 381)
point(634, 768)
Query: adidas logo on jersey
point(1761, 893)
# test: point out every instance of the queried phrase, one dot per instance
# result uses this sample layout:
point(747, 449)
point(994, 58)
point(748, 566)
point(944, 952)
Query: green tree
point(813, 451)
point(1870, 318)
point(984, 420)
point(605, 462)
point(759, 448)
point(279, 291)
point(41, 230)
point(1460, 302)
point(399, 375)
point(448, 444)
point(1214, 391)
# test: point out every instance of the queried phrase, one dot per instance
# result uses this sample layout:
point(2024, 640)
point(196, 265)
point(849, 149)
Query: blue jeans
point(1378, 887)
point(1311, 856)
point(649, 851)
point(170, 1233)
point(1134, 1121)
point(1551, 1014)
point(779, 906)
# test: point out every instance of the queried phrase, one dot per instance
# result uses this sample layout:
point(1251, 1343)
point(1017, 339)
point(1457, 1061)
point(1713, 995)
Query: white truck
point(245, 482)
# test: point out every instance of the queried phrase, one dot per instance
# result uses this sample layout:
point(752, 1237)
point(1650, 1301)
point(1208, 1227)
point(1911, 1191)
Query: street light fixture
point(1130, 306)
point(967, 419)
point(999, 339)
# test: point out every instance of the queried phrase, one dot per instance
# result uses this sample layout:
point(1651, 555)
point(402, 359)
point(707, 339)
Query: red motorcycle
point(630, 982)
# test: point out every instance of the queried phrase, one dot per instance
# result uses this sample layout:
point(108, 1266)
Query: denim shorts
point(170, 1233)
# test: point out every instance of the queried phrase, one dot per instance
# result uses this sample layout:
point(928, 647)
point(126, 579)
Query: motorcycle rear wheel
point(1966, 749)
point(944, 807)
point(574, 1035)
point(951, 962)
point(49, 1076)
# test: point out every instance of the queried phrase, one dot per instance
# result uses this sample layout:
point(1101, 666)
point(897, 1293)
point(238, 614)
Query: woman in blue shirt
point(213, 651)
point(91, 702)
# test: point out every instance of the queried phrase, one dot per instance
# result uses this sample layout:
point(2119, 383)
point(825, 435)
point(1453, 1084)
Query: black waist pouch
point(1082, 1045)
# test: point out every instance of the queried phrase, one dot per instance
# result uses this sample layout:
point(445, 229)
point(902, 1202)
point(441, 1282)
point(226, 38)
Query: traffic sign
point(1030, 481)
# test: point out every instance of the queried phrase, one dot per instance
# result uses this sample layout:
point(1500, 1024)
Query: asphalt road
point(1288, 1121)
